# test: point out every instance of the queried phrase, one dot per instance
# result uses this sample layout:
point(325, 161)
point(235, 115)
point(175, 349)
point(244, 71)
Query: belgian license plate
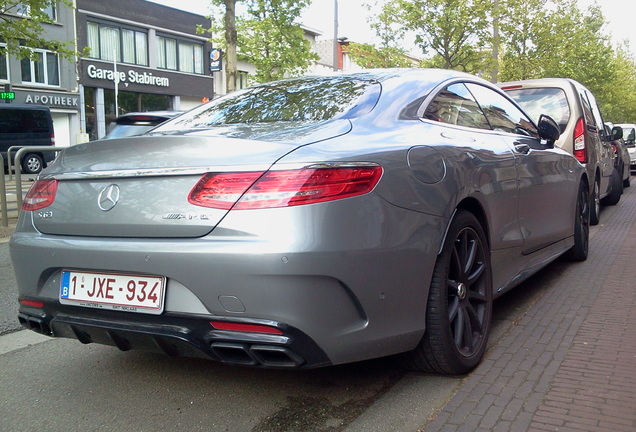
point(122, 292)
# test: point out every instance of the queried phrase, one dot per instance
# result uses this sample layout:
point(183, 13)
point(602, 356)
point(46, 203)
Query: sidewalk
point(12, 208)
point(570, 363)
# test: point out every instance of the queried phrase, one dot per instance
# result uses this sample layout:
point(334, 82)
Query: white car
point(629, 136)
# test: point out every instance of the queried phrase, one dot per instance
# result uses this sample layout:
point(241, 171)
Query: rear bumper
point(357, 290)
point(179, 336)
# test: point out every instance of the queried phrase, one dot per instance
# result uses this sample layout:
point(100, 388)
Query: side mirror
point(617, 133)
point(548, 129)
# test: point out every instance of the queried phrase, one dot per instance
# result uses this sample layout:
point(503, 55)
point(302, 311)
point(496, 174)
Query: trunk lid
point(139, 187)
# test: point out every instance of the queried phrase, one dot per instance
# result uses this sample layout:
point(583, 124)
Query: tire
point(627, 182)
point(459, 308)
point(617, 190)
point(579, 251)
point(595, 204)
point(32, 163)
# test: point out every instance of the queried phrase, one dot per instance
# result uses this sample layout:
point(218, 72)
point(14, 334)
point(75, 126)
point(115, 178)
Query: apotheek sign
point(50, 99)
point(127, 76)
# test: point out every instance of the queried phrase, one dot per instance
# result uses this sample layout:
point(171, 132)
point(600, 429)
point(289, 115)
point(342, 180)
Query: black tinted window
point(502, 114)
point(304, 100)
point(455, 105)
point(24, 121)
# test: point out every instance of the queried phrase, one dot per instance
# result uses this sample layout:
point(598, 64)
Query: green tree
point(21, 27)
point(264, 34)
point(390, 30)
point(456, 31)
point(269, 39)
point(369, 57)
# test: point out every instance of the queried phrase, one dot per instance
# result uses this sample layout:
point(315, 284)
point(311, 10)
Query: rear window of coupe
point(297, 100)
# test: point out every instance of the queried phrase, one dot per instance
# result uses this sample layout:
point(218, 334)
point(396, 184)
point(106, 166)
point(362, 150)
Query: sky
point(352, 17)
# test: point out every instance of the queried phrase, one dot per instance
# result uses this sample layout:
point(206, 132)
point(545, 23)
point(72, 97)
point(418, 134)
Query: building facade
point(47, 79)
point(142, 57)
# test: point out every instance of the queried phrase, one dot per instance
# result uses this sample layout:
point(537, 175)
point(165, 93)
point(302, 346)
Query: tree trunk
point(230, 49)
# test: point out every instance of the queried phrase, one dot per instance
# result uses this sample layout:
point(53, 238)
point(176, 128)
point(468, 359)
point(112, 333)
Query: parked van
point(26, 125)
point(582, 131)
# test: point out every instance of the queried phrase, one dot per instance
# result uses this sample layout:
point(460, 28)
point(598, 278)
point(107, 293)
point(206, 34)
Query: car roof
point(24, 107)
point(543, 82)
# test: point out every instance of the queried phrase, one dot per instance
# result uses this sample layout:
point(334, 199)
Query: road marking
point(20, 339)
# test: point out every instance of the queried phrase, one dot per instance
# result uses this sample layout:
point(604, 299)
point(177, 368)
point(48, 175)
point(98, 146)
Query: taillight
point(580, 150)
point(285, 188)
point(52, 139)
point(41, 194)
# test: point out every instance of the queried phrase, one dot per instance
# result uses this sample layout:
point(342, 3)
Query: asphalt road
point(59, 384)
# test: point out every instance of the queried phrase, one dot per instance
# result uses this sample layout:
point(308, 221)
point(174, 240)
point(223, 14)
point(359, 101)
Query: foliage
point(21, 28)
point(387, 25)
point(267, 37)
point(368, 56)
point(536, 38)
point(454, 30)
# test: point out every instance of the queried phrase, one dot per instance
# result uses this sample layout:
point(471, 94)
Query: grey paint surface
point(364, 262)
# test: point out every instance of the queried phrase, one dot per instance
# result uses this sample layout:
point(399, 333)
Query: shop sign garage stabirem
point(145, 78)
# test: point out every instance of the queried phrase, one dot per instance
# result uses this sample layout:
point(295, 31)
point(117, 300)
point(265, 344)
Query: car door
point(484, 163)
point(544, 180)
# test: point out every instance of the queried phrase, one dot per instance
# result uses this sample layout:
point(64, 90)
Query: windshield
point(629, 135)
point(308, 99)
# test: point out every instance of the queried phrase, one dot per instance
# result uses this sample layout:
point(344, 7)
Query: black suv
point(25, 126)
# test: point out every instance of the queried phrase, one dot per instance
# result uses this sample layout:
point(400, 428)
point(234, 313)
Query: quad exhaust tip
point(36, 324)
point(256, 355)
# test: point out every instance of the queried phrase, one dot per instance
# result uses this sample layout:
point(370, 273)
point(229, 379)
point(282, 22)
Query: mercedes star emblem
point(108, 197)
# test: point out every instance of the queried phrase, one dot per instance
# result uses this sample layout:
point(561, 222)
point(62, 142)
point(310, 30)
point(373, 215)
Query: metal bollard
point(3, 196)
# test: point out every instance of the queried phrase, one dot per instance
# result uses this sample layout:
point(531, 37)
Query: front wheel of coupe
point(459, 308)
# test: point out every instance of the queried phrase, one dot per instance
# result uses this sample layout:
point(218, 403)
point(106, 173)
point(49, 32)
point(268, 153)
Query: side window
point(596, 112)
point(455, 105)
point(587, 110)
point(502, 114)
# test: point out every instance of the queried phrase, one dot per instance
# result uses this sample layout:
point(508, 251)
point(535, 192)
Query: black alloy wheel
point(595, 204)
point(579, 251)
point(459, 308)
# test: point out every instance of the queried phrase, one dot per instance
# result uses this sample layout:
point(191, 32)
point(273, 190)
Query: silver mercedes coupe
point(303, 223)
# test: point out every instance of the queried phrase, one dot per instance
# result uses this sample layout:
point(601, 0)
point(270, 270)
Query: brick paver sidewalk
point(570, 363)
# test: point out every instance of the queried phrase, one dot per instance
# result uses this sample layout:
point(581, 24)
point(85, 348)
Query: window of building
point(43, 68)
point(4, 66)
point(174, 54)
point(242, 80)
point(48, 10)
point(110, 42)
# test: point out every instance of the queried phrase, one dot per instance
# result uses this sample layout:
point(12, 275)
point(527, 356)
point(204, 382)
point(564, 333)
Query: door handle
point(522, 148)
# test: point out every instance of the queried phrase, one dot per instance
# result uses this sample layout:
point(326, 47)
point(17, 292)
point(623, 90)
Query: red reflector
point(32, 303)
point(257, 190)
point(580, 150)
point(251, 328)
point(41, 194)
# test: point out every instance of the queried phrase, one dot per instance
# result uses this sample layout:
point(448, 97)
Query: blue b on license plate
point(123, 292)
